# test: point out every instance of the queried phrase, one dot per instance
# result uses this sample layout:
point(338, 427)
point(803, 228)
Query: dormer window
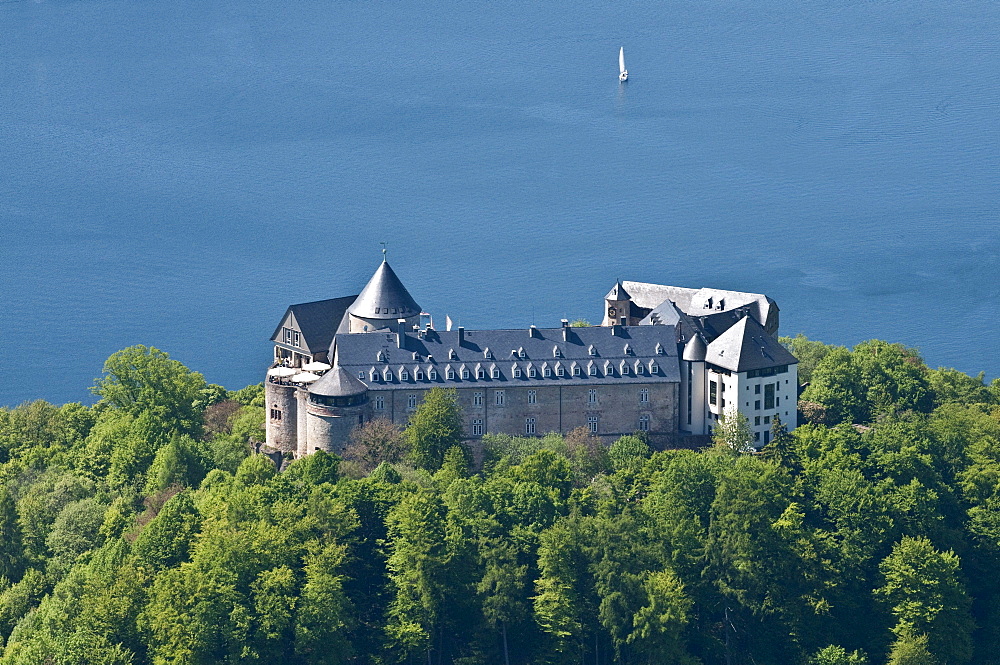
point(404, 375)
point(532, 372)
point(546, 371)
point(387, 375)
point(480, 373)
point(639, 369)
point(432, 374)
point(361, 375)
point(628, 349)
point(556, 352)
point(418, 375)
point(487, 354)
point(416, 356)
point(521, 353)
point(722, 304)
point(592, 369)
point(708, 304)
point(450, 374)
point(465, 373)
point(452, 355)
point(592, 350)
point(576, 370)
point(495, 372)
point(374, 375)
point(516, 371)
point(624, 369)
point(560, 370)
point(659, 349)
point(654, 368)
point(383, 357)
point(609, 369)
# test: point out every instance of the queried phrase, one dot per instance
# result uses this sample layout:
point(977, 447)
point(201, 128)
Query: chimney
point(615, 329)
point(461, 335)
point(565, 330)
point(564, 322)
point(401, 333)
point(533, 332)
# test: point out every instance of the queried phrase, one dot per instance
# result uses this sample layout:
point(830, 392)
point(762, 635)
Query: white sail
point(621, 60)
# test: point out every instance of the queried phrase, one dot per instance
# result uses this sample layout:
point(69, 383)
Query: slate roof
point(317, 322)
point(384, 297)
point(618, 292)
point(694, 302)
point(747, 346)
point(337, 382)
point(363, 352)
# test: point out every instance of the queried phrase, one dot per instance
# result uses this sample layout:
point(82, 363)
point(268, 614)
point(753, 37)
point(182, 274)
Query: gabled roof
point(747, 346)
point(384, 297)
point(317, 321)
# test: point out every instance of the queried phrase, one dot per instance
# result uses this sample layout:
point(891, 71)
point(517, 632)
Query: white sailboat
point(623, 76)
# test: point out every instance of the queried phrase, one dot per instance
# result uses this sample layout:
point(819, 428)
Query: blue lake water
point(176, 173)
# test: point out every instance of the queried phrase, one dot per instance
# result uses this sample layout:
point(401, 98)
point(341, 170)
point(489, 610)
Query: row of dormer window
point(383, 356)
point(530, 371)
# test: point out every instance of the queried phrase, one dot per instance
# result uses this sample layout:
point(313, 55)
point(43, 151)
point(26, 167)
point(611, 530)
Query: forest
point(145, 530)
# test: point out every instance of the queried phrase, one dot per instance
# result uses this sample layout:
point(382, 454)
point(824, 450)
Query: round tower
point(693, 399)
point(336, 404)
point(281, 426)
point(382, 302)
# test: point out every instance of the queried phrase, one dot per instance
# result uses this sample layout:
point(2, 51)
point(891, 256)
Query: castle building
point(667, 361)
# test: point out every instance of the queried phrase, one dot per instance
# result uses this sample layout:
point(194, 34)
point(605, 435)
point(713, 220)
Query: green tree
point(837, 386)
point(733, 432)
point(315, 468)
point(809, 353)
point(951, 386)
point(911, 649)
point(180, 462)
point(837, 655)
point(374, 442)
point(628, 452)
point(924, 592)
point(894, 376)
point(166, 541)
point(434, 427)
point(11, 542)
point(144, 379)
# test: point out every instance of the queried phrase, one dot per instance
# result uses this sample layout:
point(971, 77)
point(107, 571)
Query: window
point(547, 371)
point(496, 373)
point(411, 401)
point(767, 437)
point(380, 403)
point(624, 369)
point(756, 389)
point(644, 395)
point(404, 375)
point(756, 421)
point(387, 375)
point(560, 371)
point(643, 423)
point(488, 354)
point(628, 350)
point(532, 372)
point(592, 350)
point(450, 374)
point(556, 352)
point(529, 425)
point(499, 397)
point(532, 397)
point(659, 349)
point(480, 373)
point(756, 436)
point(654, 369)
point(288, 335)
point(639, 369)
point(592, 370)
point(298, 338)
point(465, 374)
point(769, 396)
point(767, 420)
point(418, 375)
point(452, 355)
point(432, 375)
point(517, 372)
point(361, 375)
point(275, 414)
point(713, 392)
point(592, 396)
point(756, 405)
point(477, 399)
point(592, 424)
point(477, 427)
point(576, 370)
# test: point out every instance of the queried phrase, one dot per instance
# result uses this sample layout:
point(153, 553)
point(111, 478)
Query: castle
point(666, 361)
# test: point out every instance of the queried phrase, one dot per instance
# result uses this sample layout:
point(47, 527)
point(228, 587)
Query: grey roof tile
point(317, 321)
point(384, 297)
point(747, 346)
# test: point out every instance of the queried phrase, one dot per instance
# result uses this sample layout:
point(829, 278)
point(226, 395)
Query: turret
point(618, 307)
point(336, 404)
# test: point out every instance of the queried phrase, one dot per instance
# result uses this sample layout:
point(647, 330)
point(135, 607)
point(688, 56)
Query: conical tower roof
point(384, 297)
point(695, 350)
point(337, 382)
point(618, 292)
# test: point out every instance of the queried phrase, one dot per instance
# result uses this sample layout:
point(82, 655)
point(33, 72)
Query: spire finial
point(384, 249)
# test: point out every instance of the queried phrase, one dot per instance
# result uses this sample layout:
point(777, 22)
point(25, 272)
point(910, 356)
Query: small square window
point(361, 375)
point(767, 420)
point(756, 405)
point(756, 421)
